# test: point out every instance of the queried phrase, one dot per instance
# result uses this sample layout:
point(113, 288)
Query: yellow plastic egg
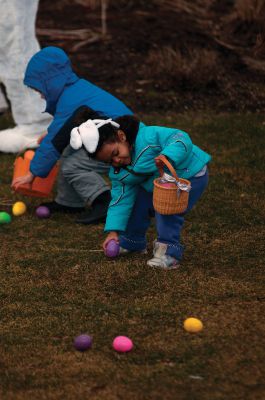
point(19, 208)
point(193, 325)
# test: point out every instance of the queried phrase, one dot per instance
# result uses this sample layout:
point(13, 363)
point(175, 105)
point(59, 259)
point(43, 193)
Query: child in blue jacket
point(134, 151)
point(80, 182)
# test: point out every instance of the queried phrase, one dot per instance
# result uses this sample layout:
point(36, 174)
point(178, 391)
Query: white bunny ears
point(87, 134)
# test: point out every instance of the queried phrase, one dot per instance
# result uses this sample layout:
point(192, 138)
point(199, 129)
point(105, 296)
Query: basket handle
point(168, 165)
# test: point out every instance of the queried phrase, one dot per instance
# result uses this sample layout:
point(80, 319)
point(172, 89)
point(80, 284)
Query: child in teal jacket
point(133, 150)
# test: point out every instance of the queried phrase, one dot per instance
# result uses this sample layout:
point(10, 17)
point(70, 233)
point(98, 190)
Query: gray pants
point(79, 180)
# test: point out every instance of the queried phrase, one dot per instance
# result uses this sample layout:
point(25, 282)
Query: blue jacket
point(50, 72)
point(151, 141)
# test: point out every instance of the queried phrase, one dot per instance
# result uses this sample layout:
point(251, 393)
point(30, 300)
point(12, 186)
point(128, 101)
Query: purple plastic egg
point(112, 248)
point(43, 212)
point(82, 342)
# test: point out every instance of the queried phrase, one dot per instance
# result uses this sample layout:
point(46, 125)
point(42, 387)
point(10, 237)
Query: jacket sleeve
point(47, 155)
point(123, 197)
point(56, 140)
point(177, 146)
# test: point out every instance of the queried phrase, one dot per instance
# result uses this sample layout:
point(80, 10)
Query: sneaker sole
point(163, 267)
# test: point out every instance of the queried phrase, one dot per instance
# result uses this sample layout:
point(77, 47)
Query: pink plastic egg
point(122, 344)
point(112, 249)
point(168, 185)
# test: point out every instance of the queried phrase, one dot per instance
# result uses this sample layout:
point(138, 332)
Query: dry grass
point(198, 67)
point(53, 288)
point(250, 11)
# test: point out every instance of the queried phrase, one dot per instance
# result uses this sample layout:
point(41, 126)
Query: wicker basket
point(40, 187)
point(168, 200)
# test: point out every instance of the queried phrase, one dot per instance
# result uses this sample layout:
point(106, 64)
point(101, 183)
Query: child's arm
point(176, 146)
point(120, 208)
point(47, 155)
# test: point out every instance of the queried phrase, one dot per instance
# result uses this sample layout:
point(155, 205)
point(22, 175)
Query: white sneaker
point(161, 259)
point(165, 262)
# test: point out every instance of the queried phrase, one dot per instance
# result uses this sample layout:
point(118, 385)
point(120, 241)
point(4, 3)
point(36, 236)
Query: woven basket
point(168, 200)
point(40, 187)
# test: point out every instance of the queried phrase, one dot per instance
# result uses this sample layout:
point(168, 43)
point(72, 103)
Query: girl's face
point(117, 153)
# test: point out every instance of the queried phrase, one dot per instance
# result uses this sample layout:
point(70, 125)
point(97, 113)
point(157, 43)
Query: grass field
point(54, 286)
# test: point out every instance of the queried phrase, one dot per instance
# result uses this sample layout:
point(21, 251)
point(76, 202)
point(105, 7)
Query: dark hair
point(108, 133)
point(129, 124)
point(84, 113)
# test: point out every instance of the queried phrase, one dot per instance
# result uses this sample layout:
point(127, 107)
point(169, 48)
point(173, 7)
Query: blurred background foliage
point(164, 53)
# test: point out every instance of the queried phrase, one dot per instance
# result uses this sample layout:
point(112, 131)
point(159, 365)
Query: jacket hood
point(49, 71)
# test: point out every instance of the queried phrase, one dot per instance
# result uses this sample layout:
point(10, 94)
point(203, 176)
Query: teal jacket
point(151, 141)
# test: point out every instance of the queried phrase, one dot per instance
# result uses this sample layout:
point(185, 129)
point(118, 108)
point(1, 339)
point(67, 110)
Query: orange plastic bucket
point(40, 187)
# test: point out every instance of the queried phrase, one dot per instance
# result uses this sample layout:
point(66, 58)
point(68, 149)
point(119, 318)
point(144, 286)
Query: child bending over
point(134, 152)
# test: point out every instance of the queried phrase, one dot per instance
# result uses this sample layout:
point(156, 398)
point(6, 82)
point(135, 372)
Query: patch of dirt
point(164, 55)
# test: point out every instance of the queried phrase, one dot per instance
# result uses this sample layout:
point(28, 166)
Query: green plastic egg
point(5, 218)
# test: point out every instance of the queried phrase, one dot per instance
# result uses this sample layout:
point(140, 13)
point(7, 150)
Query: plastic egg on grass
point(122, 344)
point(43, 212)
point(82, 342)
point(112, 249)
point(29, 154)
point(193, 325)
point(19, 208)
point(5, 218)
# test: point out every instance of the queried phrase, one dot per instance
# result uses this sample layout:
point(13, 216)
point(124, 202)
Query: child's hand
point(112, 235)
point(22, 180)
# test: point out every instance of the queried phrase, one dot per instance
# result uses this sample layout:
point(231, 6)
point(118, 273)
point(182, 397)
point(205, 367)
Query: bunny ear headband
point(87, 134)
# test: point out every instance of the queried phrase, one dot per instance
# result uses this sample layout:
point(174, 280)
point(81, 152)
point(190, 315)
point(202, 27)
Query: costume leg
point(80, 181)
point(134, 238)
point(27, 106)
point(18, 44)
point(169, 226)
